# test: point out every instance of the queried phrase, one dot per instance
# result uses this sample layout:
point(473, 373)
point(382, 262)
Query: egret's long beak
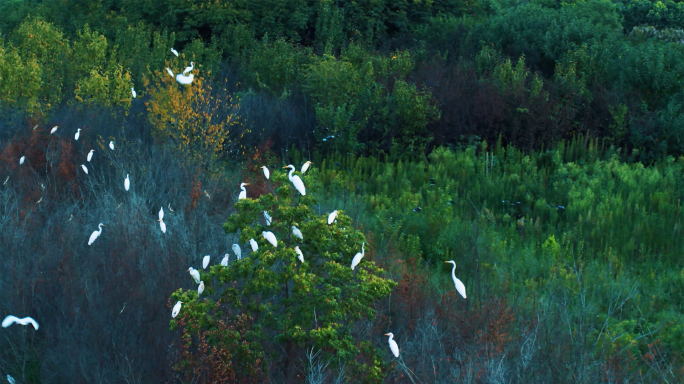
point(446, 262)
point(285, 167)
point(386, 334)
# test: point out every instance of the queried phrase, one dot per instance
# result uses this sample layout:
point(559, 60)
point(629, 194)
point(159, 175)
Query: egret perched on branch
point(54, 129)
point(300, 255)
point(296, 180)
point(170, 72)
point(393, 344)
point(90, 155)
point(85, 169)
point(111, 145)
point(190, 68)
point(205, 261)
point(459, 285)
point(162, 225)
point(332, 216)
point(78, 134)
point(176, 309)
point(268, 218)
point(297, 233)
point(266, 172)
point(255, 246)
point(357, 258)
point(95, 234)
point(185, 79)
point(127, 183)
point(133, 92)
point(306, 166)
point(238, 251)
point(224, 262)
point(21, 160)
point(174, 52)
point(195, 274)
point(9, 320)
point(243, 194)
point(200, 289)
point(270, 237)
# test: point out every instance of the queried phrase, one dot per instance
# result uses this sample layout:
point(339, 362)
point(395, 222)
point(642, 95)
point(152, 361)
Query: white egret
point(21, 161)
point(190, 68)
point(243, 194)
point(200, 289)
point(170, 72)
point(300, 255)
point(185, 79)
point(297, 232)
point(127, 183)
point(170, 208)
point(174, 52)
point(266, 172)
point(238, 251)
point(176, 309)
point(332, 216)
point(255, 246)
point(95, 234)
point(162, 225)
point(133, 92)
point(90, 155)
point(85, 169)
point(205, 261)
point(393, 344)
point(357, 258)
point(11, 380)
point(268, 218)
point(9, 320)
point(206, 194)
point(54, 129)
point(459, 285)
point(305, 167)
point(299, 185)
point(195, 274)
point(224, 262)
point(270, 237)
point(111, 145)
point(78, 134)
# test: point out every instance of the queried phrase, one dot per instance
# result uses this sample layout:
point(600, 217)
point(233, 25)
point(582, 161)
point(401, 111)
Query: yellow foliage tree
point(201, 127)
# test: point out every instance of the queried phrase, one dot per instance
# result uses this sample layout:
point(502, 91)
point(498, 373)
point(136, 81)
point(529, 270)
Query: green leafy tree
point(284, 306)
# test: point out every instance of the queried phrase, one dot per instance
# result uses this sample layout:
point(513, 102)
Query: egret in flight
point(190, 68)
point(176, 309)
point(162, 225)
point(299, 185)
point(195, 274)
point(78, 134)
point(297, 233)
point(300, 255)
point(306, 166)
point(270, 237)
point(268, 218)
point(459, 285)
point(393, 344)
point(266, 172)
point(238, 251)
point(253, 243)
point(95, 234)
point(243, 194)
point(9, 320)
point(205, 261)
point(332, 216)
point(90, 155)
point(21, 161)
point(85, 169)
point(224, 262)
point(54, 129)
point(111, 145)
point(357, 257)
point(133, 92)
point(185, 79)
point(174, 52)
point(200, 289)
point(127, 183)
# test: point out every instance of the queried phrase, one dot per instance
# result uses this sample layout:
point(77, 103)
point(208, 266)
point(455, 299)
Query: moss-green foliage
point(292, 304)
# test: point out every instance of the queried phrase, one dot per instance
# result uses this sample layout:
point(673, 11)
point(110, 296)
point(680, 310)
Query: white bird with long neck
point(78, 134)
point(296, 180)
point(266, 172)
point(332, 216)
point(305, 166)
point(357, 258)
point(224, 262)
point(176, 309)
point(195, 274)
point(268, 218)
point(270, 237)
point(254, 245)
point(394, 347)
point(174, 52)
point(190, 68)
point(297, 233)
point(243, 194)
point(238, 251)
point(90, 155)
point(162, 225)
point(95, 234)
point(459, 285)
point(206, 261)
point(300, 255)
point(9, 320)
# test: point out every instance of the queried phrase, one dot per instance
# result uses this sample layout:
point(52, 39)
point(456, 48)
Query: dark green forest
point(538, 145)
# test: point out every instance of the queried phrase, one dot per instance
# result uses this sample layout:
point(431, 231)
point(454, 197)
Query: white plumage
point(299, 185)
point(195, 274)
point(78, 134)
point(85, 169)
point(205, 261)
point(111, 145)
point(253, 243)
point(266, 172)
point(127, 182)
point(54, 129)
point(190, 68)
point(297, 232)
point(11, 380)
point(270, 237)
point(300, 255)
point(90, 155)
point(305, 166)
point(95, 234)
point(238, 251)
point(460, 287)
point(176, 309)
point(162, 225)
point(133, 92)
point(9, 320)
point(21, 160)
point(170, 72)
point(174, 52)
point(243, 194)
point(185, 79)
point(224, 262)
point(357, 257)
point(332, 216)
point(200, 289)
point(393, 344)
point(268, 218)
